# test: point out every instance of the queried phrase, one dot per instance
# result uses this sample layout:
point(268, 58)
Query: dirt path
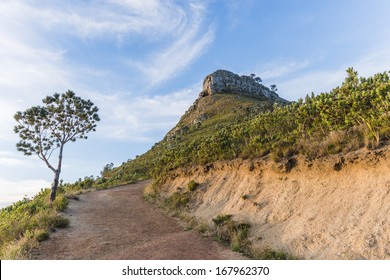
point(118, 224)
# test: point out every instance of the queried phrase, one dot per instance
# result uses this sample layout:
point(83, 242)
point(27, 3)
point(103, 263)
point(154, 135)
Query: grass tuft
point(192, 185)
point(27, 222)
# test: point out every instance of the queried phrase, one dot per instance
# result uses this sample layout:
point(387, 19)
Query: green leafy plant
point(270, 254)
point(43, 129)
point(176, 201)
point(221, 219)
point(27, 222)
point(233, 233)
point(192, 185)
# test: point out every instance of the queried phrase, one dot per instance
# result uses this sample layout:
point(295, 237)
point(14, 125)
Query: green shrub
point(221, 219)
point(27, 222)
point(18, 249)
point(282, 150)
point(202, 227)
point(58, 222)
point(38, 234)
point(269, 254)
point(240, 237)
point(192, 185)
point(42, 235)
point(177, 201)
point(233, 233)
point(60, 203)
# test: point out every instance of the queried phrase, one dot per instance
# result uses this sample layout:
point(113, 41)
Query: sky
point(142, 62)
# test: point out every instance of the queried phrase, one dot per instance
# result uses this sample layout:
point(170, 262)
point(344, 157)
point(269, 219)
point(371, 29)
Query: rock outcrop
point(222, 81)
point(209, 104)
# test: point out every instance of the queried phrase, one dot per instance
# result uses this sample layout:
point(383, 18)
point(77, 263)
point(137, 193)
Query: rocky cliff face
point(222, 81)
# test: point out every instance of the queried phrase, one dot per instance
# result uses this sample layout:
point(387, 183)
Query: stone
point(223, 81)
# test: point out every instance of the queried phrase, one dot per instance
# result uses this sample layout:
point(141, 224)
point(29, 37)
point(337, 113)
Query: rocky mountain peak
point(223, 81)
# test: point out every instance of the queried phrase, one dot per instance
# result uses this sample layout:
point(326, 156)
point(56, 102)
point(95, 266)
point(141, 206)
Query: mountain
point(226, 99)
point(272, 179)
point(277, 179)
point(237, 117)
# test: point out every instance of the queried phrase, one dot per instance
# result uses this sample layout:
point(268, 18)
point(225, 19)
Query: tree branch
point(42, 157)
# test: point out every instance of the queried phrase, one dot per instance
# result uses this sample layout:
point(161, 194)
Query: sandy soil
point(118, 224)
point(332, 208)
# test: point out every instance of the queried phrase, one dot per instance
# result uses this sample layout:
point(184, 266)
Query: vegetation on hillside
point(27, 222)
point(351, 116)
point(211, 114)
point(223, 127)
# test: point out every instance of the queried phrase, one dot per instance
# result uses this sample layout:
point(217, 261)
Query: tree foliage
point(43, 129)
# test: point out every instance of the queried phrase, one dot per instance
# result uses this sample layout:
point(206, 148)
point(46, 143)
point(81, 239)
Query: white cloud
point(314, 81)
point(28, 68)
point(12, 191)
point(10, 158)
point(31, 32)
point(187, 45)
point(8, 109)
point(153, 16)
point(34, 64)
point(282, 67)
point(375, 62)
point(94, 19)
point(6, 161)
point(139, 119)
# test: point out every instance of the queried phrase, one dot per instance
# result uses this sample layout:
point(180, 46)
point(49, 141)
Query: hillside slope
point(226, 125)
point(334, 208)
point(309, 177)
point(193, 140)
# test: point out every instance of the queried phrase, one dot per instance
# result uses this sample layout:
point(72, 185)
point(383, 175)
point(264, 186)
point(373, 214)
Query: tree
point(107, 168)
point(43, 129)
point(258, 80)
point(273, 87)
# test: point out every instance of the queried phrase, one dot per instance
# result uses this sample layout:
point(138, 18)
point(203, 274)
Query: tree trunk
point(54, 186)
point(57, 173)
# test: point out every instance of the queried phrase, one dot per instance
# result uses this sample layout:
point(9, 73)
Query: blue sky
point(142, 63)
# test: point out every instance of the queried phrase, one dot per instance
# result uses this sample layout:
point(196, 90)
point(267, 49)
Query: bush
point(233, 233)
point(202, 227)
point(177, 201)
point(221, 219)
point(27, 222)
point(269, 254)
point(59, 222)
point(192, 185)
point(60, 203)
point(37, 234)
point(41, 235)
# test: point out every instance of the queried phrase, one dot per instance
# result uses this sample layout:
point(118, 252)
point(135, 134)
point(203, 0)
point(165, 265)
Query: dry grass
point(335, 142)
